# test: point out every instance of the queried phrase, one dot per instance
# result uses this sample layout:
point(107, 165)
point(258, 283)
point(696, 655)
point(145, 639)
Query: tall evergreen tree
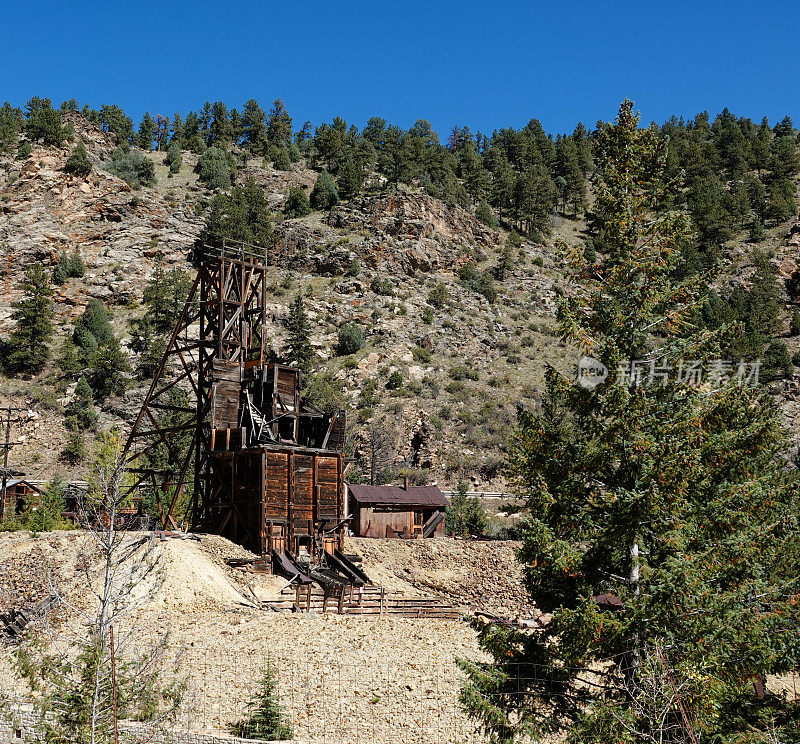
point(11, 122)
point(27, 345)
point(255, 129)
point(43, 122)
point(244, 216)
point(662, 534)
point(147, 132)
point(350, 178)
point(279, 125)
point(298, 342)
point(220, 127)
point(324, 194)
point(113, 119)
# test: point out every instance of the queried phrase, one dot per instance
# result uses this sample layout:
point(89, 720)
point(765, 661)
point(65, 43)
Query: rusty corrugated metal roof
point(397, 495)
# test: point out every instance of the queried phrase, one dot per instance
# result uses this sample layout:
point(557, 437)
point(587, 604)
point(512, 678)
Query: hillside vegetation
point(415, 279)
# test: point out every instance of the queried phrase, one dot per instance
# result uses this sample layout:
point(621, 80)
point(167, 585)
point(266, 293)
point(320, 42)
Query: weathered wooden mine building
point(18, 495)
point(397, 511)
point(268, 469)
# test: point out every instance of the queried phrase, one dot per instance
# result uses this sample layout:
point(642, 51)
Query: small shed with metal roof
point(396, 511)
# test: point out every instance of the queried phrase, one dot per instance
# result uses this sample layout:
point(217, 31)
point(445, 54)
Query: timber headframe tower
point(224, 426)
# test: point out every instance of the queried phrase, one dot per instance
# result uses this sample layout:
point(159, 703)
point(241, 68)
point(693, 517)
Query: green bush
point(214, 169)
point(132, 167)
point(324, 392)
point(462, 372)
point(439, 296)
point(465, 516)
point(24, 150)
point(68, 266)
point(79, 412)
point(93, 327)
point(44, 515)
point(422, 355)
point(382, 285)
point(297, 204)
point(78, 163)
point(353, 267)
point(350, 340)
point(174, 158)
point(282, 161)
point(478, 281)
point(484, 214)
point(395, 381)
point(74, 450)
point(427, 315)
point(324, 195)
point(776, 362)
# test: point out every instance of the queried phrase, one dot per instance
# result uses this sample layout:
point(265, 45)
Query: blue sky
point(484, 64)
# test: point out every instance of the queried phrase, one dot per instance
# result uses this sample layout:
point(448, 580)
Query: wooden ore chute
point(266, 469)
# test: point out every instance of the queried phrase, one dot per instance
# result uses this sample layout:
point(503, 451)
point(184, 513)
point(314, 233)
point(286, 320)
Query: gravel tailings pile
point(341, 678)
point(472, 574)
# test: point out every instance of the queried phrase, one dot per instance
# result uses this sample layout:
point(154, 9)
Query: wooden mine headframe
point(220, 329)
point(267, 470)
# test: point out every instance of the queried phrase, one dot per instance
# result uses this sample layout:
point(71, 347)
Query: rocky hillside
point(465, 362)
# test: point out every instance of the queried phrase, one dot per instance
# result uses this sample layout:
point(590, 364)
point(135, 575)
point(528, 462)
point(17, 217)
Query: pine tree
point(11, 122)
point(79, 412)
point(43, 122)
point(255, 128)
point(297, 204)
point(324, 194)
point(177, 131)
point(281, 160)
point(220, 128)
point(78, 163)
point(279, 125)
point(75, 267)
point(214, 168)
point(298, 342)
point(484, 214)
point(662, 532)
point(27, 346)
point(60, 270)
point(174, 158)
point(465, 516)
point(350, 178)
point(45, 514)
point(93, 327)
point(147, 132)
point(192, 139)
point(265, 719)
point(114, 120)
point(109, 369)
point(243, 215)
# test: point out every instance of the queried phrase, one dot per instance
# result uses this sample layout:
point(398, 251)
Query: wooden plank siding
point(302, 492)
point(327, 482)
point(296, 491)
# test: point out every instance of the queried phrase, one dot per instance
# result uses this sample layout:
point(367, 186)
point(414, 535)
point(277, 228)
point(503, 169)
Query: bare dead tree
point(84, 682)
point(656, 695)
point(380, 439)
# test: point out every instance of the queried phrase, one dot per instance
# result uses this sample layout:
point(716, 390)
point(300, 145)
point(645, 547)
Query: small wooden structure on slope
point(397, 511)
